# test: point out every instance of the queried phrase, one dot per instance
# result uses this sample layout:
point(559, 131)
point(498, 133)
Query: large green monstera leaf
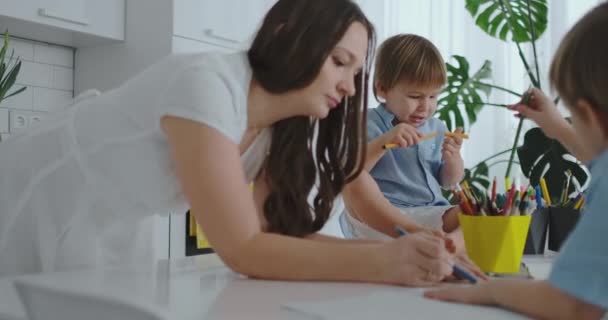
point(539, 152)
point(510, 19)
point(463, 90)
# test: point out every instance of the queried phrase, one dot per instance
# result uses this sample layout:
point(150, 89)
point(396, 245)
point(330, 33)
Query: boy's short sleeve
point(373, 130)
point(204, 96)
point(581, 268)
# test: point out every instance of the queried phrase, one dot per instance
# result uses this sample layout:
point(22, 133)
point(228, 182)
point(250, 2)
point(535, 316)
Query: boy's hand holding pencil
point(402, 135)
point(452, 144)
point(452, 135)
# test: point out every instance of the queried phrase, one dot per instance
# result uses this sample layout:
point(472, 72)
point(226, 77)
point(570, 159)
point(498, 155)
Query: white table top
point(202, 287)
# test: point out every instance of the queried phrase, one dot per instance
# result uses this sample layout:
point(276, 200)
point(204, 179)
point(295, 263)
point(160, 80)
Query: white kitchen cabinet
point(233, 26)
point(155, 29)
point(75, 23)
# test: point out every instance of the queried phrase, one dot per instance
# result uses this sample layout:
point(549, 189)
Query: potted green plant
point(9, 69)
point(518, 22)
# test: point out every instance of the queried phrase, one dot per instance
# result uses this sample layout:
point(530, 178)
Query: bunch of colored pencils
point(516, 201)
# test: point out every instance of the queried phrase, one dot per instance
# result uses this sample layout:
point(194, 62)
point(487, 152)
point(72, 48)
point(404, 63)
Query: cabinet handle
point(210, 33)
point(43, 12)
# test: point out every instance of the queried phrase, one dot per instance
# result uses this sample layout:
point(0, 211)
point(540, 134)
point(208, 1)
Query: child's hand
point(403, 134)
point(477, 294)
point(451, 147)
point(535, 105)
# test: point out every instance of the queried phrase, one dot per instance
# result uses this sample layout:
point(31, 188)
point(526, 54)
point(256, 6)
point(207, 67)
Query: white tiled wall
point(47, 72)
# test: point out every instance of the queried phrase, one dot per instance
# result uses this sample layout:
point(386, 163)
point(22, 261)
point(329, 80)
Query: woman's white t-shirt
point(76, 190)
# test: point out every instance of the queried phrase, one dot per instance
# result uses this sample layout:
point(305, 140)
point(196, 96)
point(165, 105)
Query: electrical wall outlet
point(21, 120)
point(18, 121)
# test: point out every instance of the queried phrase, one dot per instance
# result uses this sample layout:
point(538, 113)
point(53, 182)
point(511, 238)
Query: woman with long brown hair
point(194, 131)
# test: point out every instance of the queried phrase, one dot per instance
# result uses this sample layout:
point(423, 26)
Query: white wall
point(47, 71)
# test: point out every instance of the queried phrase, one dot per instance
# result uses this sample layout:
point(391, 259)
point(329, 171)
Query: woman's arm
point(366, 202)
point(208, 167)
point(328, 238)
point(537, 299)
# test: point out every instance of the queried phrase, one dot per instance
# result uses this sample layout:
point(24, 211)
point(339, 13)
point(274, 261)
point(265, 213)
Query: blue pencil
point(458, 271)
point(539, 197)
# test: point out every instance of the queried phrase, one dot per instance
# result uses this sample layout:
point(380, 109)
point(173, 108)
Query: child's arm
point(366, 202)
point(452, 170)
point(402, 134)
point(544, 113)
point(537, 299)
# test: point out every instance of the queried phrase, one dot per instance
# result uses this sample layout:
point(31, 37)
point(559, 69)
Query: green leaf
point(4, 47)
point(463, 91)
point(8, 82)
point(509, 20)
point(13, 66)
point(478, 179)
point(16, 92)
point(539, 152)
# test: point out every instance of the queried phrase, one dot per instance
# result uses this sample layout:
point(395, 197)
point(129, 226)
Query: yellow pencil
point(390, 146)
point(579, 203)
point(543, 187)
point(395, 145)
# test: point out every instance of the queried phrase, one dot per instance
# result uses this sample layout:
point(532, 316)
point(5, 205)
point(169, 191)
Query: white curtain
point(452, 29)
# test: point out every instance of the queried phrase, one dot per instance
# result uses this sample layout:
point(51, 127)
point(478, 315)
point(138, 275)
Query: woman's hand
point(463, 260)
point(403, 134)
point(419, 259)
point(535, 105)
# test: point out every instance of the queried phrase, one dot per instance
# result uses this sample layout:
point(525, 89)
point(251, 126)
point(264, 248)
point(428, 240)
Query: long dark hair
point(295, 39)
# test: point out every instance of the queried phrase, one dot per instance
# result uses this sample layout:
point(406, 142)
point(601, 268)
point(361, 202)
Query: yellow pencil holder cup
point(495, 243)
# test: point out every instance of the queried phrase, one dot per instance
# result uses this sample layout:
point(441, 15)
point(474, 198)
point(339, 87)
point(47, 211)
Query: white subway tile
point(54, 55)
point(4, 120)
point(36, 74)
point(51, 100)
point(63, 78)
point(23, 49)
point(23, 100)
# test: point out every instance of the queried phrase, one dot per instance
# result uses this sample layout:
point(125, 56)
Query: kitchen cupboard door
point(72, 22)
point(226, 23)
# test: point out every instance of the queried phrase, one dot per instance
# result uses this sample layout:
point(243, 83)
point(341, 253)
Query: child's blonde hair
point(579, 69)
point(410, 58)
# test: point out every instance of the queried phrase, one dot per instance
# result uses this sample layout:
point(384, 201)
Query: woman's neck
point(265, 108)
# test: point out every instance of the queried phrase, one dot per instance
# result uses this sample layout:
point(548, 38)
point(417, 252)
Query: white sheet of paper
point(401, 303)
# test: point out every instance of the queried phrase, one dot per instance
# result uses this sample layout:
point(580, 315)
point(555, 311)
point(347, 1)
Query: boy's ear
point(592, 115)
point(380, 90)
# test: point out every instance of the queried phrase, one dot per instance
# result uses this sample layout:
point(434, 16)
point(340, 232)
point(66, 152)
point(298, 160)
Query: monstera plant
point(552, 162)
point(518, 22)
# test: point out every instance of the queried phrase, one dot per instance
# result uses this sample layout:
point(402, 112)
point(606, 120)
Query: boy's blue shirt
point(408, 177)
point(581, 269)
